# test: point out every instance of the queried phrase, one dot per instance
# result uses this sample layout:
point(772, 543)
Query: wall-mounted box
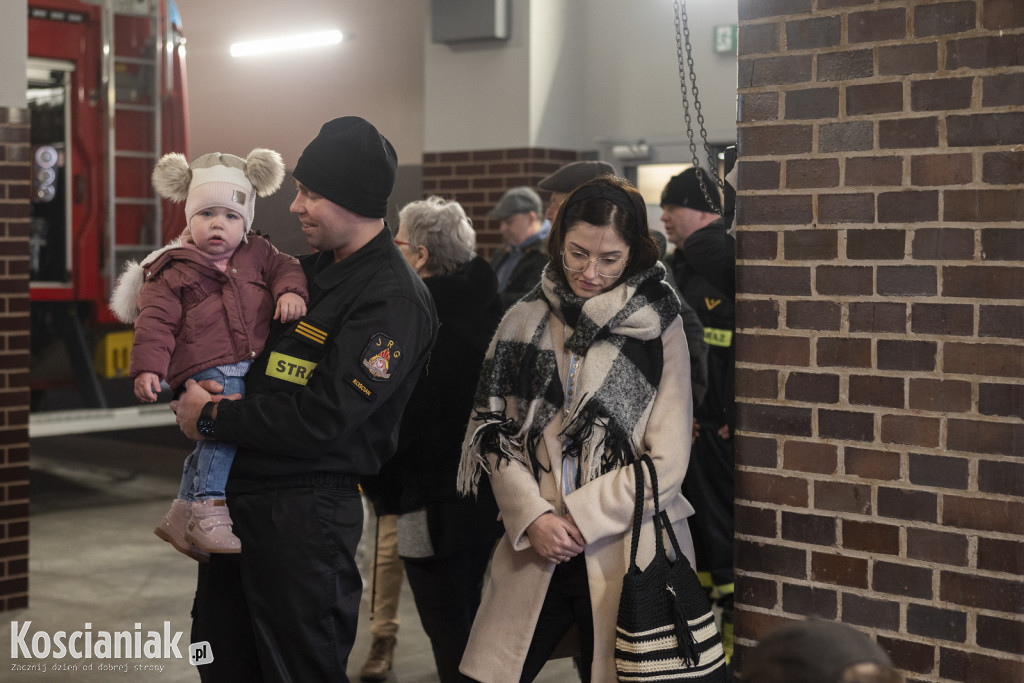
point(458, 21)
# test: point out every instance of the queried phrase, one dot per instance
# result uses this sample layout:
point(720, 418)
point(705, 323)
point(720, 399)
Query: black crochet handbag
point(665, 629)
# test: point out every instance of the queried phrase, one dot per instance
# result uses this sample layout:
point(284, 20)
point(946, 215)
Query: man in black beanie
point(323, 407)
point(704, 266)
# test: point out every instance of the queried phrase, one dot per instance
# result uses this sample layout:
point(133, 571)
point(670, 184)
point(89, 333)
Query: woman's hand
point(555, 538)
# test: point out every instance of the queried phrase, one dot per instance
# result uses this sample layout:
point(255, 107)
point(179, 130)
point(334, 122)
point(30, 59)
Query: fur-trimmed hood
point(124, 299)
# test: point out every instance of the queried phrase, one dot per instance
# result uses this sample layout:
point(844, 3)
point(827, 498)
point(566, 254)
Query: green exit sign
point(725, 38)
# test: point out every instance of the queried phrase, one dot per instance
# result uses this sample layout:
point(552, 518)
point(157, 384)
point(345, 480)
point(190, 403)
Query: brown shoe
point(378, 664)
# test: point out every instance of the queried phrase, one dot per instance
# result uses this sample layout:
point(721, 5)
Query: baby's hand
point(290, 307)
point(147, 386)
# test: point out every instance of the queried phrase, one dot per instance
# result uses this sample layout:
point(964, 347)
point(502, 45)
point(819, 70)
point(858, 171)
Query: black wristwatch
point(206, 425)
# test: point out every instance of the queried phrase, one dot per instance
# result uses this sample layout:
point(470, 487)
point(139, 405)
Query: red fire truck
point(106, 97)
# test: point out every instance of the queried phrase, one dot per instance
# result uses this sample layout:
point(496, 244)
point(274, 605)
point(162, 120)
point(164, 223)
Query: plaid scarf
point(617, 332)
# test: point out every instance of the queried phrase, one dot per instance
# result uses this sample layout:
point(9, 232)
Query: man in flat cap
point(521, 261)
point(568, 178)
point(324, 402)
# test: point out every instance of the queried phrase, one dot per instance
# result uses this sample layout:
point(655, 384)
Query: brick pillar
point(477, 179)
point(880, 345)
point(15, 174)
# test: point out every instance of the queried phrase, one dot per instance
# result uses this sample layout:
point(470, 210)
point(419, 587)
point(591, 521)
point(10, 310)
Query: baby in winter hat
point(202, 307)
point(221, 181)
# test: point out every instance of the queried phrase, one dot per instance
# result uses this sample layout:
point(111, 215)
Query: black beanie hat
point(350, 163)
point(684, 190)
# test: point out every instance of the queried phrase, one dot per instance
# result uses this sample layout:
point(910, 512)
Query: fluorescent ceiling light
point(258, 47)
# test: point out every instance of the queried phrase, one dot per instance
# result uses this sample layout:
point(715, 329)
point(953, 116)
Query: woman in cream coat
point(585, 373)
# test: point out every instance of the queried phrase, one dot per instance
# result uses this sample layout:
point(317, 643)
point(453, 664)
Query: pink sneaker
point(172, 529)
point(210, 527)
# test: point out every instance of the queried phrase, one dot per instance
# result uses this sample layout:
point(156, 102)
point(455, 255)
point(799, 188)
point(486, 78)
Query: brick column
point(880, 345)
point(15, 174)
point(477, 179)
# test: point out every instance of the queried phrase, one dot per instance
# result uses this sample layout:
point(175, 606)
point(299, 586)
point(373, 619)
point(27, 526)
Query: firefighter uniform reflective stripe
point(716, 337)
point(290, 368)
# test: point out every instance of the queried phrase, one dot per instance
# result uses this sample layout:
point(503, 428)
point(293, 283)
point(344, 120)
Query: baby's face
point(217, 230)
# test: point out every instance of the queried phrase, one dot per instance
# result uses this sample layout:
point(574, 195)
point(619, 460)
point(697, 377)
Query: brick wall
point(15, 173)
point(477, 179)
point(880, 347)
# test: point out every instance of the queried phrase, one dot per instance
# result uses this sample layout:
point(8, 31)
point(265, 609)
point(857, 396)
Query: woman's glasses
point(605, 266)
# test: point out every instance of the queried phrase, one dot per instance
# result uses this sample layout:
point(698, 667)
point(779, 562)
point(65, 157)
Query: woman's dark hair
point(606, 200)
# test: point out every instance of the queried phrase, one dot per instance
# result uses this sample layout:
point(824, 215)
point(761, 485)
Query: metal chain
point(683, 35)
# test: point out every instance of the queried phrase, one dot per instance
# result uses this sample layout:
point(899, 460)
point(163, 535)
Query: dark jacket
point(525, 275)
point(705, 272)
point(423, 471)
point(327, 394)
point(192, 316)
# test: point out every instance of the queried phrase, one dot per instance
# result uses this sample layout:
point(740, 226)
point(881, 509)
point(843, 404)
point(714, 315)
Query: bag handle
point(661, 521)
point(658, 512)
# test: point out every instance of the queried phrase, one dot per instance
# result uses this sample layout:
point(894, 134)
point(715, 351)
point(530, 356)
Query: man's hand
point(290, 306)
point(555, 538)
point(147, 386)
point(187, 408)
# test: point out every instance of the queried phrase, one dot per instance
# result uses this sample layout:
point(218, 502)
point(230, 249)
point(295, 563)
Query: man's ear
point(424, 255)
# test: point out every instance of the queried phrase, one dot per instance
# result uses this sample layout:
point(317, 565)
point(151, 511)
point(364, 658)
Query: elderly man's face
point(517, 227)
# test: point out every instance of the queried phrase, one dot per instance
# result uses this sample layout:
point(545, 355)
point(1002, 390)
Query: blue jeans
point(207, 467)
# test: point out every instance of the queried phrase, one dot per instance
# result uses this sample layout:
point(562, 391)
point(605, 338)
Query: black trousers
point(709, 488)
point(447, 594)
point(285, 609)
point(567, 602)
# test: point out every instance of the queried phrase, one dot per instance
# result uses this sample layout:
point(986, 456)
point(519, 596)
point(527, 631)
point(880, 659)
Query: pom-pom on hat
point(350, 163)
point(684, 190)
point(219, 180)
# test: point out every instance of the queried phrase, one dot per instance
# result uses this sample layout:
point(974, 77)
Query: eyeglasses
point(401, 243)
point(578, 262)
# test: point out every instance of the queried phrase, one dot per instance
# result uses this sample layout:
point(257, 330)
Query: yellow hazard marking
point(289, 368)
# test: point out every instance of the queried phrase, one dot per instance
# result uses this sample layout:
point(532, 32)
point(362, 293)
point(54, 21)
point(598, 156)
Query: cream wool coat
point(602, 509)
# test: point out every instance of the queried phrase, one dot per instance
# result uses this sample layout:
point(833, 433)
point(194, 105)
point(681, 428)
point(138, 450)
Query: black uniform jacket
point(327, 393)
point(705, 272)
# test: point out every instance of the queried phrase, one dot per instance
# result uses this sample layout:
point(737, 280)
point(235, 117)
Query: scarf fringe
point(608, 445)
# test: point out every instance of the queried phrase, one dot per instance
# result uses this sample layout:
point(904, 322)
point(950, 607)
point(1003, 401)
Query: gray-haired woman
point(445, 540)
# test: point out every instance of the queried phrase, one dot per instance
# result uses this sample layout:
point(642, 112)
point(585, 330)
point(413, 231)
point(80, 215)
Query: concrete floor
point(94, 560)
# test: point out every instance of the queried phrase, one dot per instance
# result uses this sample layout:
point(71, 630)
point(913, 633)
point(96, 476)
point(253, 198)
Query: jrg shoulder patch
point(381, 357)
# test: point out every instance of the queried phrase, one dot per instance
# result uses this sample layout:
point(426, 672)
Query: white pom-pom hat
point(219, 180)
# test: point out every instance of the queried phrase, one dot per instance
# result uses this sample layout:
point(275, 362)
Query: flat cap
point(517, 200)
point(571, 176)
